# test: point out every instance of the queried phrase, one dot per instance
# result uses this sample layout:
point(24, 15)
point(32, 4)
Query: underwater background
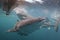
point(34, 32)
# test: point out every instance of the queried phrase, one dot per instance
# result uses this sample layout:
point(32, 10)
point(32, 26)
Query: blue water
point(33, 31)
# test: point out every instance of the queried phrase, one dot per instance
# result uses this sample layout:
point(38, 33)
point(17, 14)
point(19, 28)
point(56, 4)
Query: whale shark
point(21, 26)
point(22, 23)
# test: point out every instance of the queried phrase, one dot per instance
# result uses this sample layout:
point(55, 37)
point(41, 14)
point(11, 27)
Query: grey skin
point(25, 22)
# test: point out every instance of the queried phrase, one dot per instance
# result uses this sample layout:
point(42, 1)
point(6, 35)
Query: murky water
point(34, 32)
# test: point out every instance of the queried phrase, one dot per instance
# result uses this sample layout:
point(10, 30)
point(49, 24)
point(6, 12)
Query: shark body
point(25, 22)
